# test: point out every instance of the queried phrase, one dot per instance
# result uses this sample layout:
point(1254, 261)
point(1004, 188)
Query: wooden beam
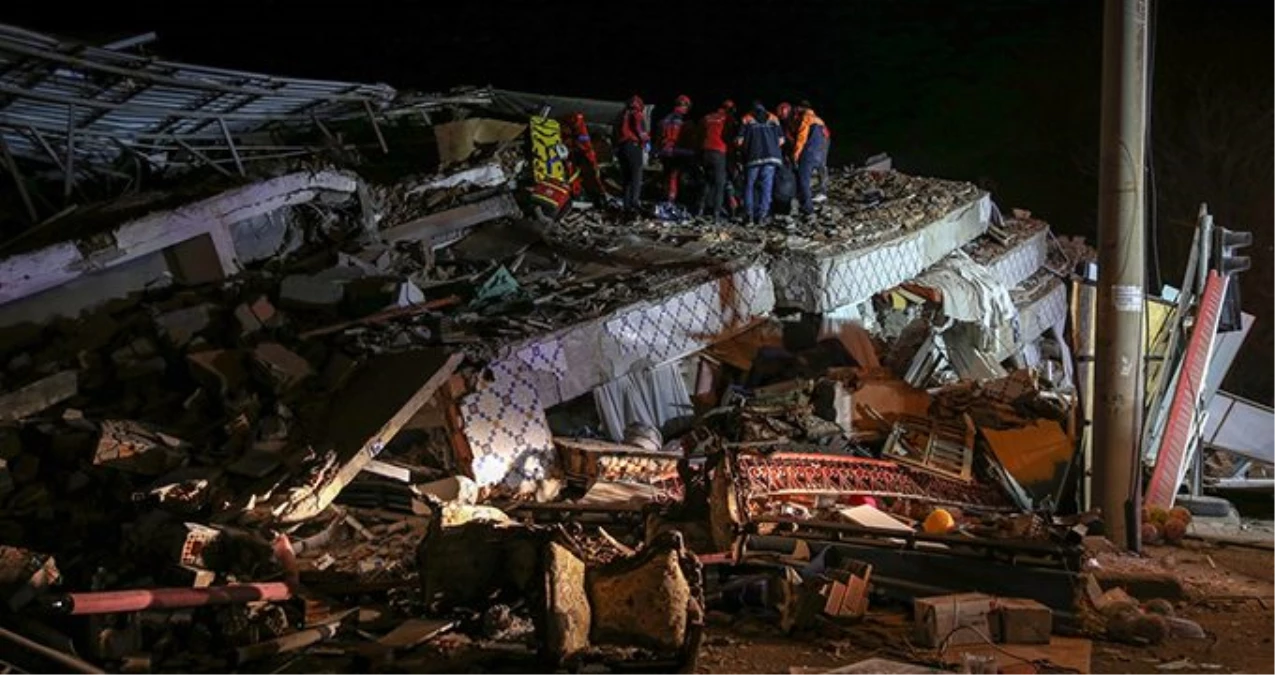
point(376, 127)
point(230, 143)
point(18, 180)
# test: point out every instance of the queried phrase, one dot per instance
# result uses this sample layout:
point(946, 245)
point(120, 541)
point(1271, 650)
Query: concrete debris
point(306, 292)
point(376, 446)
point(180, 326)
point(38, 396)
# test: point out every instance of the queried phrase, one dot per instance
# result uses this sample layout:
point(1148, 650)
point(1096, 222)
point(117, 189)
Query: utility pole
point(1118, 386)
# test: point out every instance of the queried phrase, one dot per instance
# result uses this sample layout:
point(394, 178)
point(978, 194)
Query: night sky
point(1002, 92)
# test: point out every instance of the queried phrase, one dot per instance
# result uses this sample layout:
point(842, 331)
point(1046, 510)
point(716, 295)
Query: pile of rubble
point(241, 439)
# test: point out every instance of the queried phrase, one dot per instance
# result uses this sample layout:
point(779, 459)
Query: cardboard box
point(960, 619)
point(1023, 621)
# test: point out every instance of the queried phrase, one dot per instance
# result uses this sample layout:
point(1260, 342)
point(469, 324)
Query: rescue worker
point(784, 112)
point(575, 134)
point(761, 142)
point(674, 155)
point(716, 129)
point(784, 199)
point(821, 169)
point(808, 152)
point(631, 139)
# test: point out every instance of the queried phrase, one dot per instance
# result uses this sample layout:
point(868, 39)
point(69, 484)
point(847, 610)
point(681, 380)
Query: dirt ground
point(1229, 592)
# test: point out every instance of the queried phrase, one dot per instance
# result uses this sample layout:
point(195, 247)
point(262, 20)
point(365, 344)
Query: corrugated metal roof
point(110, 99)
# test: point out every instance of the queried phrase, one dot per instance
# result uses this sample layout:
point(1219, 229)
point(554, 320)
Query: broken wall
point(214, 236)
point(91, 290)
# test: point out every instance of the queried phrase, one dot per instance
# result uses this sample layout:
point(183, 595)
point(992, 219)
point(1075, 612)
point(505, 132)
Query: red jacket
point(716, 129)
point(671, 131)
point(632, 126)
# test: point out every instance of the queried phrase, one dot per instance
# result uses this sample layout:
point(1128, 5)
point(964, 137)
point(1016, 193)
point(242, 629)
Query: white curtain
point(652, 396)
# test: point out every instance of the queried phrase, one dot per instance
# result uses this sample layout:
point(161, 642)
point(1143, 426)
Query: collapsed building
point(293, 353)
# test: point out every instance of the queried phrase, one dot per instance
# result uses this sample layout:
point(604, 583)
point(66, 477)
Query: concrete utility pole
point(1118, 386)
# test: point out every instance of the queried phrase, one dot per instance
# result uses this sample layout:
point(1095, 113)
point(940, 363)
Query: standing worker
point(784, 112)
point(784, 195)
point(716, 128)
point(821, 169)
point(809, 151)
point(631, 139)
point(761, 142)
point(575, 133)
point(674, 155)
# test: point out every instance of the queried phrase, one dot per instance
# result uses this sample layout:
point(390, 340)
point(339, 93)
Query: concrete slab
point(823, 277)
point(28, 273)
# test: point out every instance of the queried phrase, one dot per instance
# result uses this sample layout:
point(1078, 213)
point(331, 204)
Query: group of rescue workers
point(721, 149)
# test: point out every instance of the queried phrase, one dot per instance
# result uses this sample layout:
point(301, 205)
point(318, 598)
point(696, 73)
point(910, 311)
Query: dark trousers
point(822, 169)
point(631, 171)
point(812, 156)
point(714, 195)
point(805, 171)
point(760, 179)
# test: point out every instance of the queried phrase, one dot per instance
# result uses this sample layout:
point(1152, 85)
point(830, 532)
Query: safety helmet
point(682, 101)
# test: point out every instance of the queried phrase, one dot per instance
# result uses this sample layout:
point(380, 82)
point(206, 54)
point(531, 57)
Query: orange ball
point(939, 522)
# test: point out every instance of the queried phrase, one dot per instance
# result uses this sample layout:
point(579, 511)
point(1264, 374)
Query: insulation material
point(506, 427)
point(971, 294)
point(823, 278)
point(651, 397)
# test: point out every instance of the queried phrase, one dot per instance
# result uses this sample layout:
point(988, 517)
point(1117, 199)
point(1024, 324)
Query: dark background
point(1001, 92)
